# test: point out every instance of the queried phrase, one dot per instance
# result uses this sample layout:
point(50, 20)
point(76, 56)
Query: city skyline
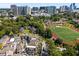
point(5, 5)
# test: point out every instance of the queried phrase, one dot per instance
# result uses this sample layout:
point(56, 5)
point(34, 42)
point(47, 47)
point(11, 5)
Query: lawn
point(66, 34)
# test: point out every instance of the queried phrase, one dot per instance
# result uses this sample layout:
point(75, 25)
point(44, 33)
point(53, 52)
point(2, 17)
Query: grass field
point(66, 34)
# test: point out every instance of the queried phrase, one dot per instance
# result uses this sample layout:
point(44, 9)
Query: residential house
point(32, 29)
point(4, 40)
point(31, 47)
point(31, 50)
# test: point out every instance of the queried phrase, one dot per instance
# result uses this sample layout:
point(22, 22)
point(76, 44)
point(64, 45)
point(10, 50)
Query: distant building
point(76, 10)
point(4, 11)
point(43, 9)
point(64, 8)
point(72, 6)
point(34, 10)
point(57, 11)
point(51, 10)
point(20, 10)
point(14, 10)
point(24, 10)
point(28, 11)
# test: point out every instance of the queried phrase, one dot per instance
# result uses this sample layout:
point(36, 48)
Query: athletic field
point(65, 33)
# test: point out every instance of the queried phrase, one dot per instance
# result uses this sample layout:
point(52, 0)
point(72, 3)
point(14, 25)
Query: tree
point(11, 33)
point(55, 17)
point(20, 18)
point(2, 33)
point(55, 52)
point(77, 48)
point(47, 33)
point(70, 51)
point(52, 50)
point(77, 16)
point(38, 25)
point(58, 41)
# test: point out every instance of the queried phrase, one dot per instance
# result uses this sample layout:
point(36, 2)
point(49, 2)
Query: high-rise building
point(44, 9)
point(20, 10)
point(51, 10)
point(24, 10)
point(28, 10)
point(35, 9)
point(64, 8)
point(72, 6)
point(14, 10)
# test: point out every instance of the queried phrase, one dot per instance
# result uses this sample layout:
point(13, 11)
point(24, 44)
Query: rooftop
point(4, 38)
point(31, 46)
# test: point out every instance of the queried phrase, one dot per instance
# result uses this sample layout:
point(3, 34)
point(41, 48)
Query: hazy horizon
point(7, 5)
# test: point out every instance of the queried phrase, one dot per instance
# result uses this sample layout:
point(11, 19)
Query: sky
point(7, 5)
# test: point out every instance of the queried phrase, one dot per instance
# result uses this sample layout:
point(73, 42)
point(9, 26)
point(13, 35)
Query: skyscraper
point(14, 10)
point(20, 10)
point(72, 6)
point(51, 10)
point(64, 8)
point(24, 10)
point(35, 9)
point(28, 10)
point(43, 9)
